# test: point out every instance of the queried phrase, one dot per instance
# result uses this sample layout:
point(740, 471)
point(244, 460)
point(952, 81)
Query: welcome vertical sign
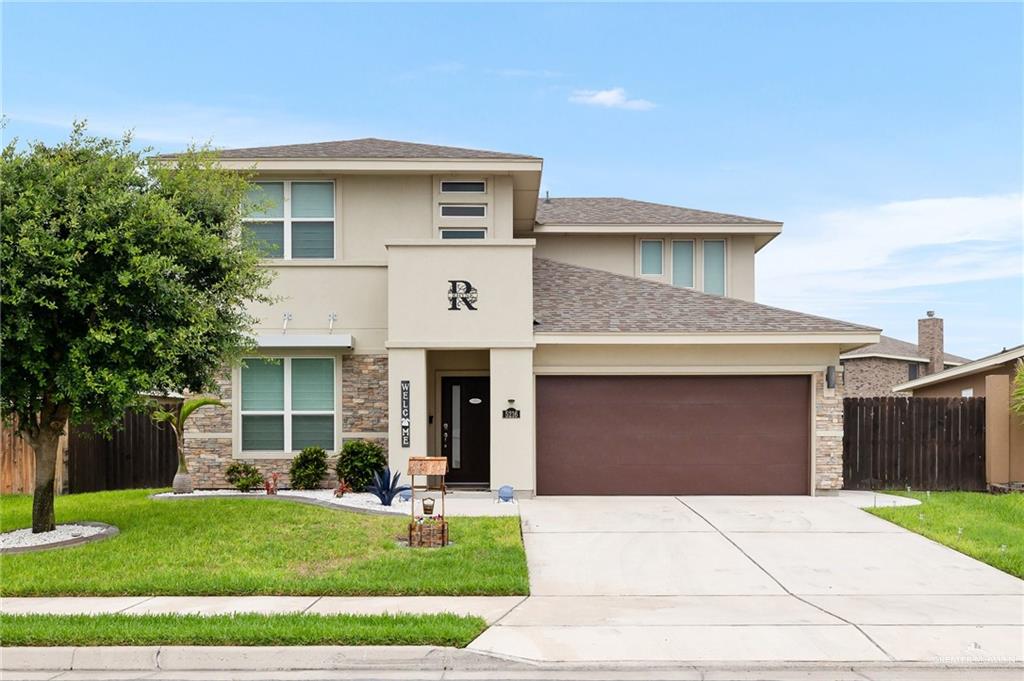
point(405, 413)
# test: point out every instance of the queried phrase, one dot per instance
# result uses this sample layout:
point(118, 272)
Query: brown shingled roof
point(365, 148)
point(618, 211)
point(574, 299)
point(894, 346)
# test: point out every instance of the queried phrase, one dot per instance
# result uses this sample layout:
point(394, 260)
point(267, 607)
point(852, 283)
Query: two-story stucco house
point(430, 299)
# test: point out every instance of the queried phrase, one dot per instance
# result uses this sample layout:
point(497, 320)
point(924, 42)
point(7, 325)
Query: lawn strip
point(245, 629)
point(236, 547)
point(988, 527)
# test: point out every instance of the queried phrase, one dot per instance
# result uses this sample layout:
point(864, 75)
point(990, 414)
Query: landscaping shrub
point(358, 462)
point(244, 476)
point(308, 468)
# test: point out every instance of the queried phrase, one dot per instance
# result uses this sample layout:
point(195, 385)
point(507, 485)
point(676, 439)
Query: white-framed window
point(967, 392)
point(296, 218)
point(447, 233)
point(682, 263)
point(652, 257)
point(463, 186)
point(463, 210)
point(287, 403)
point(714, 266)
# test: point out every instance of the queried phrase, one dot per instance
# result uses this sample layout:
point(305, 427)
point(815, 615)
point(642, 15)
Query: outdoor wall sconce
point(830, 376)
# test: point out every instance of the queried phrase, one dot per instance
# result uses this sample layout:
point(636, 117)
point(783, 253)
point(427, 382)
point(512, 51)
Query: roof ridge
point(700, 294)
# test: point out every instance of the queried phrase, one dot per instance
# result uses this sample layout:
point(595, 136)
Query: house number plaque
point(405, 413)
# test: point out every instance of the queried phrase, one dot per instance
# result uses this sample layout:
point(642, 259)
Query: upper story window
point(463, 234)
point(287, 404)
point(463, 186)
point(682, 263)
point(714, 266)
point(913, 371)
point(296, 219)
point(651, 257)
point(463, 210)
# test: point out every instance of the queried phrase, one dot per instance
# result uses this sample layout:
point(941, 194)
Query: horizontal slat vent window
point(463, 186)
point(463, 210)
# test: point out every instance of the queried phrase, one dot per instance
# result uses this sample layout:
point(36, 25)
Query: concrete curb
point(108, 532)
point(408, 658)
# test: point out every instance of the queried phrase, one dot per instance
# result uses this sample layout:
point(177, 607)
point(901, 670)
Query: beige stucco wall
point(419, 275)
point(356, 294)
point(375, 208)
point(684, 358)
point(620, 253)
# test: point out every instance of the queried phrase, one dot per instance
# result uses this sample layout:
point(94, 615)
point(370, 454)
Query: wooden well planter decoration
point(428, 529)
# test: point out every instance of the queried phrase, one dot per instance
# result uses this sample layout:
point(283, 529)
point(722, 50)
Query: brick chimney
point(929, 341)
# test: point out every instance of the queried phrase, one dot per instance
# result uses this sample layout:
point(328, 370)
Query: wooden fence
point(18, 463)
point(927, 443)
point(137, 455)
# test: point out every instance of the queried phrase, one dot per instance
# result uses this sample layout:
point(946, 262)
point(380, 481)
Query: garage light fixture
point(830, 377)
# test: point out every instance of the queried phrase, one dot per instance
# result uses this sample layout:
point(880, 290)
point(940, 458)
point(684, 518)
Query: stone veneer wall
point(875, 376)
point(828, 433)
point(364, 399)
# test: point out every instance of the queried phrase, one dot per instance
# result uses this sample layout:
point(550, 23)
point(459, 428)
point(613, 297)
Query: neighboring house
point(873, 370)
point(992, 378)
point(430, 300)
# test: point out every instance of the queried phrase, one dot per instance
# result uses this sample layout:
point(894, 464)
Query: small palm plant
point(183, 479)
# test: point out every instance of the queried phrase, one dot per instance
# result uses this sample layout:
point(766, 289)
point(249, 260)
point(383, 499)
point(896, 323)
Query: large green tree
point(121, 275)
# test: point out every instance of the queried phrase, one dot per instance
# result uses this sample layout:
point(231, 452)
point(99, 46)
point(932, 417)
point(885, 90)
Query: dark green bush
point(308, 468)
point(244, 476)
point(358, 462)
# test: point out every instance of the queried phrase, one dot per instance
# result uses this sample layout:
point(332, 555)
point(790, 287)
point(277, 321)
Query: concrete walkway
point(783, 579)
point(490, 608)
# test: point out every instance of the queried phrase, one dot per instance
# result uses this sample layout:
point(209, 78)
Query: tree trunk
point(44, 442)
point(45, 448)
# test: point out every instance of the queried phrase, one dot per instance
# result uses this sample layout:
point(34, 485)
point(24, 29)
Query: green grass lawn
point(992, 524)
point(250, 546)
point(239, 630)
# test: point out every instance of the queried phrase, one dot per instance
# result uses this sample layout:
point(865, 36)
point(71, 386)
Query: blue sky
point(888, 137)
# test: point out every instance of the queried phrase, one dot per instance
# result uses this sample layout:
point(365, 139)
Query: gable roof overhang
point(617, 215)
point(375, 156)
point(762, 233)
point(977, 366)
point(845, 340)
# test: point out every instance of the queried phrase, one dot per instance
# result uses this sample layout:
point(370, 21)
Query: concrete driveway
point(741, 579)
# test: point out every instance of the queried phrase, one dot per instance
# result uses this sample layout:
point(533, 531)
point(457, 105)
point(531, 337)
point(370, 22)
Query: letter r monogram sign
point(461, 294)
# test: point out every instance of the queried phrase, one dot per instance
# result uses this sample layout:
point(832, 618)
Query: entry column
point(407, 406)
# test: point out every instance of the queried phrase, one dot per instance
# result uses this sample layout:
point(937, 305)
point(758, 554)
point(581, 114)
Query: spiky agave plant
point(183, 479)
point(385, 487)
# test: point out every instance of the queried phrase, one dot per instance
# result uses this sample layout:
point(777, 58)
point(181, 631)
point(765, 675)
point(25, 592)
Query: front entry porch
point(472, 406)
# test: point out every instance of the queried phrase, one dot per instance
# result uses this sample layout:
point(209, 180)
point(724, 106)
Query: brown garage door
point(673, 434)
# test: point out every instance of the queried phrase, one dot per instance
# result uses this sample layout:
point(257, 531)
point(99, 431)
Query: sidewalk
point(490, 608)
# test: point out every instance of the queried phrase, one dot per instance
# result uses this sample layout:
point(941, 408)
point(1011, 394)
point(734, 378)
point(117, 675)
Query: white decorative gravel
point(17, 539)
point(361, 500)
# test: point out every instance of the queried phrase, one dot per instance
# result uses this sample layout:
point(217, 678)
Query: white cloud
point(615, 98)
point(852, 259)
